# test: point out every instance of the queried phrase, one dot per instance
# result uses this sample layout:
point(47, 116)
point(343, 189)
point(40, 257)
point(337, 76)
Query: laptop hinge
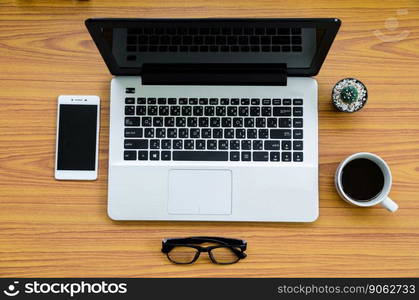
point(214, 74)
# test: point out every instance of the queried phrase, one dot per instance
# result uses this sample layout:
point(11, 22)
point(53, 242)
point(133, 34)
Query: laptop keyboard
point(213, 129)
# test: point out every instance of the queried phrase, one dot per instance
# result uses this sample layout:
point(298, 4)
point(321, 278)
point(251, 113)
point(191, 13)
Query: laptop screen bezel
point(330, 25)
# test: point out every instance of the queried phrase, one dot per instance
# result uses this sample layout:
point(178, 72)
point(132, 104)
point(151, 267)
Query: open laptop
point(213, 119)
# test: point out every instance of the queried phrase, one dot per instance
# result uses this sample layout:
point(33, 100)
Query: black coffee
point(362, 179)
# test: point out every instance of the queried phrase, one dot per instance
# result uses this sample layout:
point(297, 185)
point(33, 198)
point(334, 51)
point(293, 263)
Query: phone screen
point(77, 137)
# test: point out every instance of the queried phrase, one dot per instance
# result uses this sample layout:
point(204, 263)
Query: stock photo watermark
point(391, 32)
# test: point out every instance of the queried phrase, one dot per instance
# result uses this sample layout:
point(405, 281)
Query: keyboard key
point(141, 100)
point(203, 122)
point(297, 134)
point(154, 155)
point(135, 144)
point(189, 144)
point(297, 145)
point(235, 145)
point(297, 156)
point(257, 145)
point(228, 133)
point(251, 133)
point(215, 122)
point(192, 121)
point(164, 110)
point(266, 111)
point(133, 132)
point(194, 133)
point(286, 156)
point(297, 101)
point(132, 121)
point(211, 144)
point(180, 121)
point(246, 156)
point(206, 133)
point(130, 155)
point(280, 134)
point(237, 122)
point(260, 156)
point(154, 144)
point(171, 101)
point(200, 155)
point(297, 122)
point(243, 111)
point(297, 111)
point(249, 122)
point(129, 100)
point(226, 122)
point(246, 145)
point(232, 111)
point(274, 156)
point(172, 133)
point(276, 101)
point(284, 122)
point(213, 101)
point(234, 156)
point(177, 144)
point(198, 110)
point(282, 111)
point(260, 122)
point(169, 121)
point(174, 110)
point(161, 101)
point(286, 145)
point(183, 101)
point(129, 90)
point(193, 101)
point(151, 100)
point(187, 110)
point(142, 155)
point(235, 101)
point(255, 111)
point(245, 101)
point(272, 122)
point(224, 101)
point(240, 133)
point(183, 133)
point(220, 111)
point(146, 121)
point(223, 145)
point(272, 145)
point(209, 111)
point(166, 144)
point(263, 133)
point(200, 145)
point(266, 101)
point(217, 133)
point(286, 101)
point(149, 132)
point(255, 101)
point(166, 155)
point(157, 121)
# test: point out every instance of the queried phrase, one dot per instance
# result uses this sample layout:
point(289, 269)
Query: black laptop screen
point(128, 44)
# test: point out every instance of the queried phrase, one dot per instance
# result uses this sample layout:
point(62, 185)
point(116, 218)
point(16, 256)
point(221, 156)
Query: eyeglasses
point(185, 250)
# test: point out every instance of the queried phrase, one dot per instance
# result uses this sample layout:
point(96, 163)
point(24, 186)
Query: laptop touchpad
point(205, 192)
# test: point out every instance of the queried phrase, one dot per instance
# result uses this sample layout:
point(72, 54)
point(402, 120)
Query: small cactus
point(349, 94)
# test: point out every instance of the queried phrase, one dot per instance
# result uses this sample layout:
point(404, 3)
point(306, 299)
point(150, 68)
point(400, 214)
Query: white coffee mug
point(382, 197)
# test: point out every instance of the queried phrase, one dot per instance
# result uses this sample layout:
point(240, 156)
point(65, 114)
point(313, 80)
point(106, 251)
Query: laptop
point(213, 119)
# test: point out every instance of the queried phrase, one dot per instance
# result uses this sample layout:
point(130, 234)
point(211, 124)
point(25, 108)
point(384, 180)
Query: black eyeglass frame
point(237, 246)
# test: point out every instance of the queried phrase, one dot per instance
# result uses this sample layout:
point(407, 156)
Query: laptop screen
point(127, 45)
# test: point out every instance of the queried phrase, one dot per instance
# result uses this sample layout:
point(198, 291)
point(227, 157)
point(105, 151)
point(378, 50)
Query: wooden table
point(52, 228)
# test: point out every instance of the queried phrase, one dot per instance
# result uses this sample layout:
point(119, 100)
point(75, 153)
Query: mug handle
point(389, 204)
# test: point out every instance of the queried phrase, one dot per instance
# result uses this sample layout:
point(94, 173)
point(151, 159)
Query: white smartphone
point(76, 156)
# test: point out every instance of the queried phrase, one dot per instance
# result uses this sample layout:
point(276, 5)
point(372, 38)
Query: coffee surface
point(362, 179)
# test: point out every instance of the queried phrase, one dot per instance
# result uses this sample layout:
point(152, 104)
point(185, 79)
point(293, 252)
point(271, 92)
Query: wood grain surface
point(52, 228)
